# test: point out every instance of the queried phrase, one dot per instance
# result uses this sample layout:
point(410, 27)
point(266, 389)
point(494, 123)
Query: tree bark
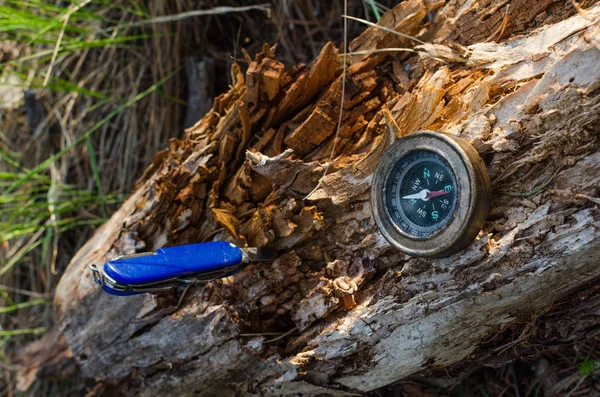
point(519, 80)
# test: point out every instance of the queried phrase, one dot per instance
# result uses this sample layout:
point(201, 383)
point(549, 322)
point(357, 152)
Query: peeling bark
point(355, 314)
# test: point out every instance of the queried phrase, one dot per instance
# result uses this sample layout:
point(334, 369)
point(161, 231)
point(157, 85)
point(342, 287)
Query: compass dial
point(421, 193)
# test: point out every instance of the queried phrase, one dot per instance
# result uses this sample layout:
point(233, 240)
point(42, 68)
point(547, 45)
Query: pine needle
point(383, 28)
point(198, 13)
point(339, 124)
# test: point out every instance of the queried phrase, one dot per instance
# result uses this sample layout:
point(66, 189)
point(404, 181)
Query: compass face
point(421, 193)
point(430, 194)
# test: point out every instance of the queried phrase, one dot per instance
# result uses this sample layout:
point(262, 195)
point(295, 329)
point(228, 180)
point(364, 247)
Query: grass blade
point(23, 305)
point(45, 164)
point(96, 173)
point(24, 331)
point(374, 8)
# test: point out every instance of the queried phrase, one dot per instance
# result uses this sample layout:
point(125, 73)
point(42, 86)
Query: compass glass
point(421, 193)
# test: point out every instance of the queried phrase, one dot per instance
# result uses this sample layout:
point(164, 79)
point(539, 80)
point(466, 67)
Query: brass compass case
point(472, 194)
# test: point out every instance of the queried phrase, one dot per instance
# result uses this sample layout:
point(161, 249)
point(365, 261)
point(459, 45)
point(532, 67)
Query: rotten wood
point(353, 314)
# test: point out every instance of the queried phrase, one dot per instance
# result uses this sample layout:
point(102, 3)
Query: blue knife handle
point(173, 262)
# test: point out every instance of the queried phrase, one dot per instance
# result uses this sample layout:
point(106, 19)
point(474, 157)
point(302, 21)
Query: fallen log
point(246, 173)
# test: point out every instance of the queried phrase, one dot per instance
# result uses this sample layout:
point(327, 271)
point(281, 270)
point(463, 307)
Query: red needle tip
point(436, 194)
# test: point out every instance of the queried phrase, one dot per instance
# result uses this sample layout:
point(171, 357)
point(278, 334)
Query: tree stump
point(340, 312)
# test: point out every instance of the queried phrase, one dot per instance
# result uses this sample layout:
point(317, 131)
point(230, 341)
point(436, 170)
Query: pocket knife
point(174, 266)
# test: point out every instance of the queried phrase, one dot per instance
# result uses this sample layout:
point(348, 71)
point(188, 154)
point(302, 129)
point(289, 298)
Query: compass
point(430, 194)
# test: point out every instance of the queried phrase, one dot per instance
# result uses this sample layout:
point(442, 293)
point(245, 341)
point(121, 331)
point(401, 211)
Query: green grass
point(374, 8)
point(586, 366)
point(96, 173)
point(23, 210)
point(46, 163)
point(24, 331)
point(18, 306)
point(37, 207)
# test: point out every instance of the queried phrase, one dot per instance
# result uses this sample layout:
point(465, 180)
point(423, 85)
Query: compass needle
point(421, 195)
